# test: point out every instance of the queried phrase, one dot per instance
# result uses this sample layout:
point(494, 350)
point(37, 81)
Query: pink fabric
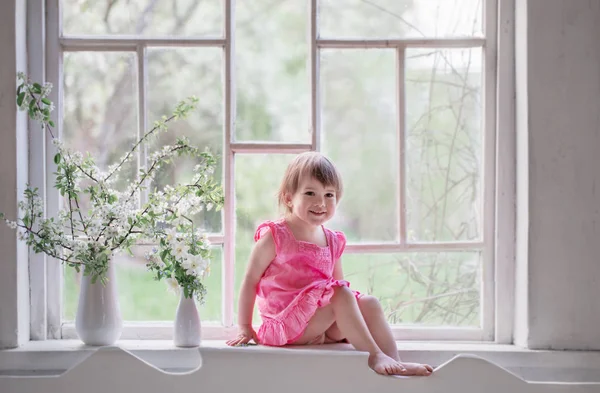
point(297, 282)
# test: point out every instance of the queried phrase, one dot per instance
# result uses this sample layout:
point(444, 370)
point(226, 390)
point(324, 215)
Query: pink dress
point(297, 282)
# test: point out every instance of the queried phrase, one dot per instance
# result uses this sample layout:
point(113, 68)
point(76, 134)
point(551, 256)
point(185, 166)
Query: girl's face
point(313, 202)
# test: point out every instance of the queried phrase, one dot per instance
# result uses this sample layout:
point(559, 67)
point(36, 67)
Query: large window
point(399, 93)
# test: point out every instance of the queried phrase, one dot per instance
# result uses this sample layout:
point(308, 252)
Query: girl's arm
point(338, 273)
point(260, 258)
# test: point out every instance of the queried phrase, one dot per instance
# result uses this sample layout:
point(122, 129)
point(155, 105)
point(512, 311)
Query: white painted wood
point(14, 279)
point(142, 153)
point(334, 372)
point(521, 323)
point(36, 49)
point(471, 42)
point(124, 43)
point(160, 330)
point(563, 135)
point(504, 260)
point(229, 167)
point(490, 15)
point(314, 76)
point(215, 331)
point(413, 247)
point(57, 356)
point(54, 269)
point(269, 147)
point(401, 135)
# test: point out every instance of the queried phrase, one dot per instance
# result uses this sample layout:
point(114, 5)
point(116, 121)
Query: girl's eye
point(329, 195)
point(309, 193)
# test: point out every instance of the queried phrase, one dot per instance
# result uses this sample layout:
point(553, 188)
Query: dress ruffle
point(287, 327)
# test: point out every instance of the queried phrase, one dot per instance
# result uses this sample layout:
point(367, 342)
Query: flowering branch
point(114, 222)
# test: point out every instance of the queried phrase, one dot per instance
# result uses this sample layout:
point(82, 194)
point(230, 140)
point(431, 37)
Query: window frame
point(497, 245)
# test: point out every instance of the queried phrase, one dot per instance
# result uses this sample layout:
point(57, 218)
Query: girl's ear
point(288, 199)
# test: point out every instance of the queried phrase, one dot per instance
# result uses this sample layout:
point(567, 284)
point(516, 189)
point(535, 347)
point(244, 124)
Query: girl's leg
point(378, 326)
point(352, 325)
point(380, 329)
point(319, 323)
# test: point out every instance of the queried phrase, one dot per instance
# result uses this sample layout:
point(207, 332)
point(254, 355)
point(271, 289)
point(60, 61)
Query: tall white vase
point(187, 329)
point(98, 320)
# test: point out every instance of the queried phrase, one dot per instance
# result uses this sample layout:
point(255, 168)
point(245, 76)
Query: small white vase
point(98, 320)
point(187, 329)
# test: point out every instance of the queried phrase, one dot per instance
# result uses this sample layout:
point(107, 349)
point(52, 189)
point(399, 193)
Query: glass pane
point(359, 135)
point(271, 71)
point(142, 298)
point(143, 17)
point(433, 289)
point(400, 18)
point(175, 74)
point(257, 179)
point(100, 109)
point(444, 144)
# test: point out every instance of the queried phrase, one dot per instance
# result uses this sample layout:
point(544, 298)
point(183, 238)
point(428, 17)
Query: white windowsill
point(54, 357)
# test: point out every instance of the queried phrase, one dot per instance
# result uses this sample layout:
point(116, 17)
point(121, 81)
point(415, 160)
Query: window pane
point(143, 17)
point(433, 289)
point(257, 179)
point(101, 110)
point(175, 74)
point(271, 71)
point(400, 18)
point(141, 298)
point(444, 150)
point(359, 135)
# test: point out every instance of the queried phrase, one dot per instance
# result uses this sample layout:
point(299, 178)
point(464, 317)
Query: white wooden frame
point(498, 208)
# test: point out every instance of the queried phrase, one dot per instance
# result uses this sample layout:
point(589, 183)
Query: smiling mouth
point(318, 213)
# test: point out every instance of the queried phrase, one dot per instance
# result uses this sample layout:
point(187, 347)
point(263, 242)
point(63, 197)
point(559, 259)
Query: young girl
point(296, 271)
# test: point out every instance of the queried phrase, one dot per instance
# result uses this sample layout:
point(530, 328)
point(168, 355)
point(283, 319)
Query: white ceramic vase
point(98, 320)
point(187, 330)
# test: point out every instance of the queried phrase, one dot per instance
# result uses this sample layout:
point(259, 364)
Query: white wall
point(558, 126)
point(14, 281)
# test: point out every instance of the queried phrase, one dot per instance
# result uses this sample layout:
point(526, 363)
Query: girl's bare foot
point(417, 369)
point(385, 365)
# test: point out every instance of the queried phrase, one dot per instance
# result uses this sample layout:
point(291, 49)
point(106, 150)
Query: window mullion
point(315, 105)
point(489, 167)
point(142, 154)
point(229, 170)
point(36, 49)
point(54, 58)
point(435, 43)
point(401, 131)
point(504, 258)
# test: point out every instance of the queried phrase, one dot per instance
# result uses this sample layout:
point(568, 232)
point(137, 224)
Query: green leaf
point(57, 158)
point(20, 98)
point(37, 88)
point(46, 101)
point(51, 123)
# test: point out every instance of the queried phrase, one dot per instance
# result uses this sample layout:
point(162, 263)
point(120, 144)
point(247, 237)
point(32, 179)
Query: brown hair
point(311, 164)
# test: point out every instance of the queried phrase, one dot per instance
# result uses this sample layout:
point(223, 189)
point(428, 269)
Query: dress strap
point(277, 232)
point(337, 243)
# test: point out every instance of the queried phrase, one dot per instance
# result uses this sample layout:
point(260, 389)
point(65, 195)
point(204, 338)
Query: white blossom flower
point(180, 250)
point(171, 235)
point(173, 285)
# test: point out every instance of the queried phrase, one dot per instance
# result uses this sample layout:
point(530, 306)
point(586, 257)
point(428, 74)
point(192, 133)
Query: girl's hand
point(245, 335)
